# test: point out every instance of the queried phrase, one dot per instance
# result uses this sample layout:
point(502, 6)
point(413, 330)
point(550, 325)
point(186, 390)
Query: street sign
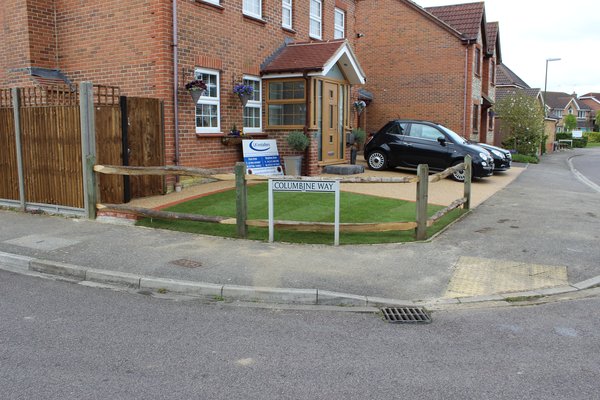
point(305, 186)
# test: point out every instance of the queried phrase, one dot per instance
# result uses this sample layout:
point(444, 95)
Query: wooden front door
point(330, 138)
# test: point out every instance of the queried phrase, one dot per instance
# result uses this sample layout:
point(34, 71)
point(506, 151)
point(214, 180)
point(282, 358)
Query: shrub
point(297, 140)
point(580, 142)
point(359, 135)
point(593, 136)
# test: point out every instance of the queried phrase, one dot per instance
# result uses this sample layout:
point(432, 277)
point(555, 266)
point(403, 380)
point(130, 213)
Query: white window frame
point(318, 19)
point(250, 6)
point(256, 103)
point(286, 10)
point(208, 100)
point(215, 2)
point(339, 31)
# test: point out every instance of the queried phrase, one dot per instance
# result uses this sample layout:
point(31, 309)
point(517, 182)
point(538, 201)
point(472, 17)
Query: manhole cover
point(399, 315)
point(183, 262)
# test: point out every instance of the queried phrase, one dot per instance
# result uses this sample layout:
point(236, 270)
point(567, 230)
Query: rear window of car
point(395, 128)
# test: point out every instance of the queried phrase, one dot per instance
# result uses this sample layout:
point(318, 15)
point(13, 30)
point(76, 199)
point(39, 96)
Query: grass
point(313, 207)
point(593, 144)
point(522, 158)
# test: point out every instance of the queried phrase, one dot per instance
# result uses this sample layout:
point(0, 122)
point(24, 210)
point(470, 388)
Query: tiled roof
point(506, 77)
point(557, 100)
point(305, 56)
point(492, 29)
point(595, 95)
point(502, 92)
point(591, 103)
point(465, 18)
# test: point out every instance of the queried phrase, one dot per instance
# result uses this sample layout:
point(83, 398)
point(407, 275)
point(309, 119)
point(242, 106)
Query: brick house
point(433, 63)
point(559, 105)
point(592, 101)
point(293, 53)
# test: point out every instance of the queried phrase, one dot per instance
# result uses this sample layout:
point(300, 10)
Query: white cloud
point(533, 30)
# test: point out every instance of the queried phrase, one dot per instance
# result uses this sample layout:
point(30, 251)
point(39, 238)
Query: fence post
point(16, 103)
point(88, 147)
point(468, 178)
point(241, 199)
point(422, 199)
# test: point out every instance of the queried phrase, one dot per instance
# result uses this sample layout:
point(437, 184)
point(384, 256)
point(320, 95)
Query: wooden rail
point(420, 225)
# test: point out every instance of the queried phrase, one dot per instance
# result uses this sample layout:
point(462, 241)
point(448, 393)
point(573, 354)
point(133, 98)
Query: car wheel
point(377, 160)
point(458, 176)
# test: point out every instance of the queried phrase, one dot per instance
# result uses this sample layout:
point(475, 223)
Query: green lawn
point(314, 207)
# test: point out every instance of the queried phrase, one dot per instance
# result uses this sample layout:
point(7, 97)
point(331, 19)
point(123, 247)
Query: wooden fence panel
point(145, 143)
point(9, 180)
point(109, 150)
point(52, 166)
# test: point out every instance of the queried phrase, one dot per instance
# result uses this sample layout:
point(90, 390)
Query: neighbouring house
point(296, 55)
point(433, 63)
point(592, 100)
point(559, 105)
point(508, 83)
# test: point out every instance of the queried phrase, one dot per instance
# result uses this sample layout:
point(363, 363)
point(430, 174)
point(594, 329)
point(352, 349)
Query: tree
point(570, 123)
point(522, 123)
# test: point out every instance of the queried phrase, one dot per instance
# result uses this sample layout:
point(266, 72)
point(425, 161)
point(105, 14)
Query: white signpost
point(577, 134)
point(305, 186)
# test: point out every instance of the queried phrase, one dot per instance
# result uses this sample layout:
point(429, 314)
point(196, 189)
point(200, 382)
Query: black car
point(408, 143)
point(502, 157)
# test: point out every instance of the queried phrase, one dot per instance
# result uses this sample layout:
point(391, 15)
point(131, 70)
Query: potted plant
point(244, 92)
point(197, 88)
point(299, 142)
point(359, 139)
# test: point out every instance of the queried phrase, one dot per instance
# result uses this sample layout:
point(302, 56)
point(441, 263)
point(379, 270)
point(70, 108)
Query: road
point(59, 340)
point(588, 163)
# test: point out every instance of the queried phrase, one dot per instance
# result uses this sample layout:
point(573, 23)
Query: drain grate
point(183, 262)
point(397, 315)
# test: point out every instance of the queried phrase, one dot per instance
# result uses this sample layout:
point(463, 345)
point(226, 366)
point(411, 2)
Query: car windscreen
point(456, 138)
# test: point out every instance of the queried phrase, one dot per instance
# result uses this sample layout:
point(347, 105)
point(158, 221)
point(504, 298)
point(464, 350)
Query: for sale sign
point(261, 157)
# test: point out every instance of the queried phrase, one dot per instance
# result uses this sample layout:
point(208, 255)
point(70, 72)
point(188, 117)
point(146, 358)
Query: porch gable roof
point(315, 59)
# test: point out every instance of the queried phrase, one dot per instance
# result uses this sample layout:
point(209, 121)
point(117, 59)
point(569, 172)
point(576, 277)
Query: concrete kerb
point(24, 265)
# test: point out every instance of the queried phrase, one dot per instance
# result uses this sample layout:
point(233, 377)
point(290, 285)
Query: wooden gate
point(143, 144)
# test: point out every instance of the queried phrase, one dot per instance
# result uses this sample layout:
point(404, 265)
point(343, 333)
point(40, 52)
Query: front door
point(330, 138)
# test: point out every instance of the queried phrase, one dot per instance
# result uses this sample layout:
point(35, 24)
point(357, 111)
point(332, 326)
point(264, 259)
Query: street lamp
point(546, 82)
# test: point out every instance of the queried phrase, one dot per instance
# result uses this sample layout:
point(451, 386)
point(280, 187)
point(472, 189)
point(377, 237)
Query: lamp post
point(546, 82)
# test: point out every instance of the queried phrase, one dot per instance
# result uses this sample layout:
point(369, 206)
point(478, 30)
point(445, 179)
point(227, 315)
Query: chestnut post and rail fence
point(420, 225)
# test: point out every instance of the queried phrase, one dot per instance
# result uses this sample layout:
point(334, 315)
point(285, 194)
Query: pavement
point(534, 232)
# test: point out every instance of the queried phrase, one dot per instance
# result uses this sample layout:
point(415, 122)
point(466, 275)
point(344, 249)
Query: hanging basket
point(244, 98)
point(196, 94)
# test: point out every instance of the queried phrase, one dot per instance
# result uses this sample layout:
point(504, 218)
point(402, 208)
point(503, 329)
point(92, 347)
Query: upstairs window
point(581, 114)
point(477, 61)
point(253, 8)
point(215, 2)
point(208, 118)
point(339, 26)
point(253, 109)
point(286, 14)
point(316, 19)
point(493, 72)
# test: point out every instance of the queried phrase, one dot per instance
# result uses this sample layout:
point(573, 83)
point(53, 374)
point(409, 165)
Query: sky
point(532, 31)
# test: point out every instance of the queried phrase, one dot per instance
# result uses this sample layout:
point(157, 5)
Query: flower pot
point(244, 99)
point(293, 165)
point(196, 94)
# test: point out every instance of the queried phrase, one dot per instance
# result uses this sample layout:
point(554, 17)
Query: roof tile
point(465, 18)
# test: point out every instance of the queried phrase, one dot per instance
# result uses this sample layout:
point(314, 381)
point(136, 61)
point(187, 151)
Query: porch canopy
point(314, 59)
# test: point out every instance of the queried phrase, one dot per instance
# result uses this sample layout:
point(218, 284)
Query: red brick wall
point(129, 44)
point(14, 45)
point(414, 67)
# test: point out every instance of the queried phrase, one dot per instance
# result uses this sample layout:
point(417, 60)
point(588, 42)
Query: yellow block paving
point(480, 276)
